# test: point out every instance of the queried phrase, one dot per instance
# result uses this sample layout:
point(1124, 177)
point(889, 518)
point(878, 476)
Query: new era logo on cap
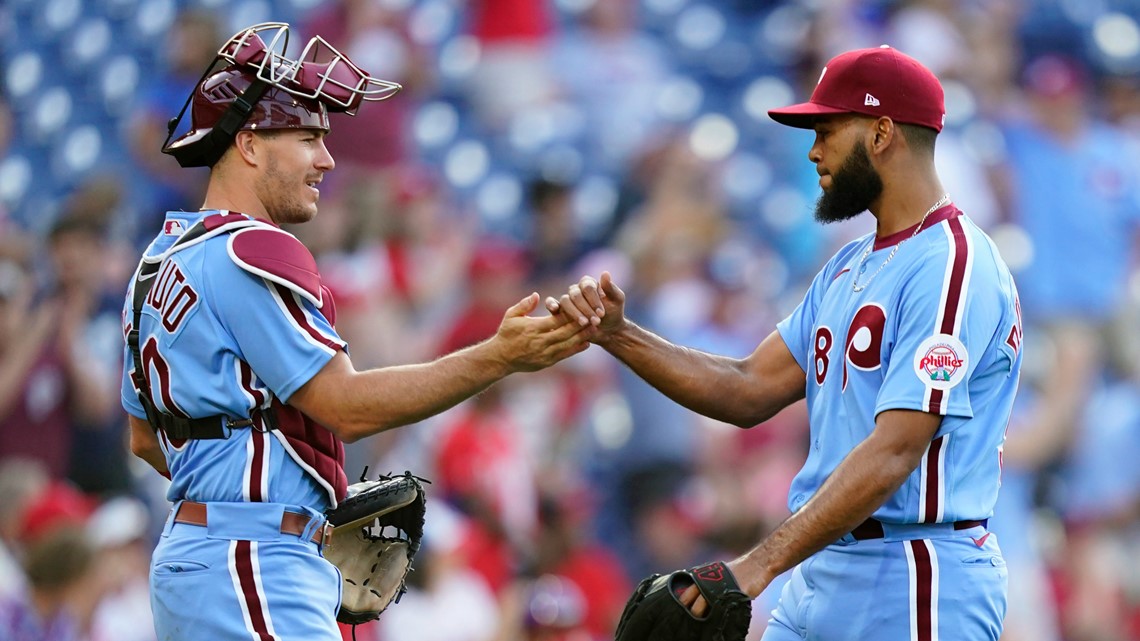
point(875, 82)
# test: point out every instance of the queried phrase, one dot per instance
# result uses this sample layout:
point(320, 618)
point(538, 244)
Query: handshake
point(591, 311)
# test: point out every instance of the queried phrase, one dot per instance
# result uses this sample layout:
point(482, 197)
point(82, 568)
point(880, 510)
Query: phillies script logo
point(940, 362)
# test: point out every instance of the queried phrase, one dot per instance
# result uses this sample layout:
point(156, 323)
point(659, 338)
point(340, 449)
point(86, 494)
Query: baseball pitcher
point(907, 348)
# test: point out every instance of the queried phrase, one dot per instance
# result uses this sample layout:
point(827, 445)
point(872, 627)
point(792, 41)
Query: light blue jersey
point(219, 339)
point(936, 330)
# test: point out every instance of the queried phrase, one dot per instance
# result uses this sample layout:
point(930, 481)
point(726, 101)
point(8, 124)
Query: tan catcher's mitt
point(376, 532)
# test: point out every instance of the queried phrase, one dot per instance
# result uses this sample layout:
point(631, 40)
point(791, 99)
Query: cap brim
point(803, 115)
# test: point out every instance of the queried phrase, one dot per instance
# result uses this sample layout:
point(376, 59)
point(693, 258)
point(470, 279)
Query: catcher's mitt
point(376, 532)
point(655, 613)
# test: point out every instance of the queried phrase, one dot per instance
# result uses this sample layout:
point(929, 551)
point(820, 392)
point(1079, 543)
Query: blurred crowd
point(536, 141)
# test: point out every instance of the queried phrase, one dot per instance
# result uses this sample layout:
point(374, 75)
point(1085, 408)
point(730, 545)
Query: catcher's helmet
point(259, 88)
point(213, 99)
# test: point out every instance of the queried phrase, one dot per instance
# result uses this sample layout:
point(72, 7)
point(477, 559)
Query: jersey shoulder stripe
point(959, 263)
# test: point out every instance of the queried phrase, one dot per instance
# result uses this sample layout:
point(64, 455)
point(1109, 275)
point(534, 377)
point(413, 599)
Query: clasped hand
point(596, 305)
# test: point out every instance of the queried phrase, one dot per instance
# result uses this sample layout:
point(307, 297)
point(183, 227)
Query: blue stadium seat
point(431, 22)
point(699, 28)
point(77, 152)
point(52, 111)
point(681, 99)
point(57, 17)
point(91, 42)
point(118, 82)
point(22, 76)
point(499, 199)
point(15, 178)
point(151, 21)
point(435, 125)
point(246, 12)
point(595, 203)
point(466, 164)
point(746, 176)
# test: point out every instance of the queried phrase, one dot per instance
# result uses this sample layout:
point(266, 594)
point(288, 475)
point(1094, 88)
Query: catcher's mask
point(258, 88)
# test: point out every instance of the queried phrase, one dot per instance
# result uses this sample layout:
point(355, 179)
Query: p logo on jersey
point(941, 361)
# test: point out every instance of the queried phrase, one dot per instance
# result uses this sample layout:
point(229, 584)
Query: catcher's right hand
point(655, 611)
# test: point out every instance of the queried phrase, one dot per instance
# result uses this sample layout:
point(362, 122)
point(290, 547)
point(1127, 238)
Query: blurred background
point(536, 141)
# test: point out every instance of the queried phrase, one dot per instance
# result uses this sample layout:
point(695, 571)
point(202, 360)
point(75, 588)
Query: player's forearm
point(859, 485)
point(381, 399)
point(144, 444)
point(715, 386)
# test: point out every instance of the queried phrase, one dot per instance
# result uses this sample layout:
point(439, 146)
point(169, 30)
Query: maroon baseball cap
point(874, 82)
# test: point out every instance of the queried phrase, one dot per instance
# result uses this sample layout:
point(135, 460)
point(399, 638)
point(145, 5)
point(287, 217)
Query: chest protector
point(276, 256)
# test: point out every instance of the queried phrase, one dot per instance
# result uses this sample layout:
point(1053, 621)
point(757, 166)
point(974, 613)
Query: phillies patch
point(941, 361)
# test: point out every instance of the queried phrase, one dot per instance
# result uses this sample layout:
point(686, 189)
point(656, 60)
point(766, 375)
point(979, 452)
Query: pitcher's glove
point(655, 612)
point(376, 532)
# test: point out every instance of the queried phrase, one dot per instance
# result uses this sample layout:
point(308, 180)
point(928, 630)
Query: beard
point(853, 188)
point(279, 194)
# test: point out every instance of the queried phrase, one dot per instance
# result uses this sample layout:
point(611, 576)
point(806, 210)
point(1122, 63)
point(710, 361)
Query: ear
point(248, 147)
point(883, 133)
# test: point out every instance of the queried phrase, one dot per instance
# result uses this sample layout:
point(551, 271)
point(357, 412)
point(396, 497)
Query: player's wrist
point(493, 357)
point(614, 335)
point(751, 574)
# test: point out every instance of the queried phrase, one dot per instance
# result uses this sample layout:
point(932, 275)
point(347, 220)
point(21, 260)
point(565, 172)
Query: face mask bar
point(321, 72)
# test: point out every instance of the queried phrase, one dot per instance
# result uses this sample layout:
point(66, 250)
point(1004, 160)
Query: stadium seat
point(51, 112)
point(22, 76)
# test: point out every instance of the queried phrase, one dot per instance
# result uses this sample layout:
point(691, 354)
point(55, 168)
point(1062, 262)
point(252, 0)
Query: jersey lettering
point(863, 347)
point(172, 296)
point(1014, 338)
point(864, 340)
point(823, 341)
point(183, 302)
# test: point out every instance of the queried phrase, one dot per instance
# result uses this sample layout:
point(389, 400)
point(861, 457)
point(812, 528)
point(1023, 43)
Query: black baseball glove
point(655, 613)
point(376, 532)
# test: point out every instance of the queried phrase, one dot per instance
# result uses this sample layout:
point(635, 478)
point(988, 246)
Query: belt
point(194, 513)
point(873, 529)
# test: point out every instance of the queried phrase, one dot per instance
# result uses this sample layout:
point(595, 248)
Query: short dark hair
point(75, 225)
point(918, 137)
point(542, 191)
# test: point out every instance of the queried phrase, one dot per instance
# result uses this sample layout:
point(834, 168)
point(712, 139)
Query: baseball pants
point(240, 578)
point(917, 583)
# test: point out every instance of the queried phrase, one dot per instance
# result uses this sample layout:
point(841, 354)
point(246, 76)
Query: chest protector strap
point(178, 427)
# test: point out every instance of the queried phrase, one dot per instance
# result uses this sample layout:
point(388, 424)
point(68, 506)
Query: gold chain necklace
point(855, 286)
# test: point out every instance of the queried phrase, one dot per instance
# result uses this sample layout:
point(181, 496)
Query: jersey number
point(153, 361)
point(862, 349)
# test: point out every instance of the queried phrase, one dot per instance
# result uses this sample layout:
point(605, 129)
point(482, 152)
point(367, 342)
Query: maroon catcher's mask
point(260, 89)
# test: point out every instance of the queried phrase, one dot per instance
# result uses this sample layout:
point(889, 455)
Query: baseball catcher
point(655, 611)
point(376, 531)
point(241, 391)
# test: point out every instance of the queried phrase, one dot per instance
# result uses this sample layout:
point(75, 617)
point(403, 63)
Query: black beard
point(853, 188)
